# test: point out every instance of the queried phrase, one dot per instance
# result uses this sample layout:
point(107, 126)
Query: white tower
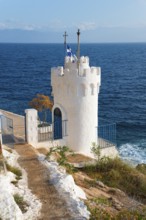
point(75, 88)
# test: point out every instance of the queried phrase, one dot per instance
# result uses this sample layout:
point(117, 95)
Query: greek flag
point(70, 53)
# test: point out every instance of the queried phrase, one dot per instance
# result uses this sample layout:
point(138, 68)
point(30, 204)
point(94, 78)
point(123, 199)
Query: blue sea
point(25, 71)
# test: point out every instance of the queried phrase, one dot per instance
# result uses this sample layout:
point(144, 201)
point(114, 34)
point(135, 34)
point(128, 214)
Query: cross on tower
point(65, 35)
point(78, 51)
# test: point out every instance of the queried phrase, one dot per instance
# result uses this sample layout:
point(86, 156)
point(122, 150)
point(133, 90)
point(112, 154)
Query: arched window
point(57, 124)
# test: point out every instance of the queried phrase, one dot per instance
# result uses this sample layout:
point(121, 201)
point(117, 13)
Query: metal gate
point(12, 129)
point(6, 127)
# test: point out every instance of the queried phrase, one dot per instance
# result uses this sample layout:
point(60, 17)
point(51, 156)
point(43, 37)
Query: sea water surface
point(25, 71)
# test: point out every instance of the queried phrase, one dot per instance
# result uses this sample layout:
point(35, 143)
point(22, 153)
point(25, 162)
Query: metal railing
point(48, 132)
point(106, 133)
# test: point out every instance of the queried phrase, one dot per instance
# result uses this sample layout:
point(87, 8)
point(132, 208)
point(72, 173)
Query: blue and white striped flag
point(70, 53)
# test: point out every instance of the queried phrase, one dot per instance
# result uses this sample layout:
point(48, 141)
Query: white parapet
point(31, 126)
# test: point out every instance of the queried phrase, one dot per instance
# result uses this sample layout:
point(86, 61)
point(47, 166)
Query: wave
point(134, 153)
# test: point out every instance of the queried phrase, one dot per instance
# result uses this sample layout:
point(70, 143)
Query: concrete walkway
point(53, 207)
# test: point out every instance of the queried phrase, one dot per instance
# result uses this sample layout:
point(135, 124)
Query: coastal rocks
point(115, 191)
point(116, 204)
point(104, 198)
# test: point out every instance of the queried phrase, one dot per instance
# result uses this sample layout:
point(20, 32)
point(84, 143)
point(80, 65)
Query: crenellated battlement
point(81, 81)
point(75, 69)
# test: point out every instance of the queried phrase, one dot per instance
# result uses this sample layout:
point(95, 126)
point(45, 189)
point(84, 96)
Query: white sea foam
point(135, 153)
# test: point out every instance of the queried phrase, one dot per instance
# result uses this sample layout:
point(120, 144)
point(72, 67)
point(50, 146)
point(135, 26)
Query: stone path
point(53, 207)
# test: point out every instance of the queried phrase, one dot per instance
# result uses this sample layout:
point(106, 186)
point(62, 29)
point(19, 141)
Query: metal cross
point(65, 35)
point(78, 50)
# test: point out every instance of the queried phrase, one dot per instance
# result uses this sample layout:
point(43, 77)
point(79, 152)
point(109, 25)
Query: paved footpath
point(53, 207)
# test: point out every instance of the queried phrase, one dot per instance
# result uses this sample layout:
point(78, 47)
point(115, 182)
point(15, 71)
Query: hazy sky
point(99, 20)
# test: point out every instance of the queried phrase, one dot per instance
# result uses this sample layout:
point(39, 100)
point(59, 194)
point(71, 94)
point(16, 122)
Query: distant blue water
point(25, 71)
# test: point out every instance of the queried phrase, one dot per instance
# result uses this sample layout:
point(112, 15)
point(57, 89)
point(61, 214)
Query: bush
point(95, 149)
point(141, 168)
point(21, 203)
point(98, 214)
point(131, 215)
point(62, 160)
point(14, 170)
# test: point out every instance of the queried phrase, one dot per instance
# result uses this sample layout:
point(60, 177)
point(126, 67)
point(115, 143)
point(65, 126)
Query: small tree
point(41, 103)
point(95, 149)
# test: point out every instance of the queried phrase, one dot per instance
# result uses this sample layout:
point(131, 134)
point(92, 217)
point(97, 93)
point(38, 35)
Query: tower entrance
point(57, 124)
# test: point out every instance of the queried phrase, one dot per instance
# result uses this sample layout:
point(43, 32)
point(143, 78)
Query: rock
point(99, 183)
point(116, 191)
point(118, 205)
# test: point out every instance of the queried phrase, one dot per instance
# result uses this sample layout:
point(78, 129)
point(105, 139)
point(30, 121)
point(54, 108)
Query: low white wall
point(109, 152)
point(49, 144)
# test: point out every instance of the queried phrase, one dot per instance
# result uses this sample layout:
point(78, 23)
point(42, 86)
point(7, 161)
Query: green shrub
point(9, 150)
point(62, 160)
point(15, 182)
point(21, 203)
point(141, 168)
point(103, 201)
point(98, 214)
point(14, 170)
point(131, 215)
point(95, 149)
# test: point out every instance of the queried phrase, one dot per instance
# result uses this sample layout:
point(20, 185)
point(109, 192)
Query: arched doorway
point(57, 124)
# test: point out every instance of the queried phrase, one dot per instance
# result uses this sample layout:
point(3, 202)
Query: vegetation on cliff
point(115, 190)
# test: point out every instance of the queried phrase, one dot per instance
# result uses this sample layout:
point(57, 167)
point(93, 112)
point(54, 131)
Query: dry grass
point(43, 151)
point(118, 174)
point(77, 158)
